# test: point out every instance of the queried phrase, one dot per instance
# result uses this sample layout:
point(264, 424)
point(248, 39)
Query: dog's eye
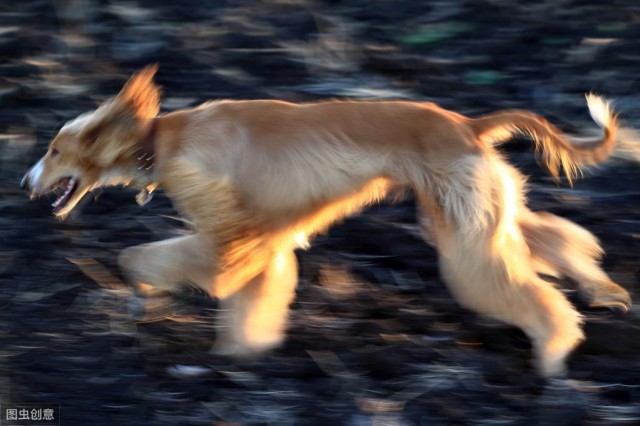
point(91, 136)
point(54, 152)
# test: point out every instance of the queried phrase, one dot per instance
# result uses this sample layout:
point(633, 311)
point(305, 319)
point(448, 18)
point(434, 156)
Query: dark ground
point(375, 338)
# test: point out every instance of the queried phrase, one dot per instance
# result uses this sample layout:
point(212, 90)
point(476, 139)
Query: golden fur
point(257, 178)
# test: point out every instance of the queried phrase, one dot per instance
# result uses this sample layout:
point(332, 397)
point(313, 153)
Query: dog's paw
point(611, 296)
point(135, 307)
point(243, 350)
point(150, 309)
point(238, 353)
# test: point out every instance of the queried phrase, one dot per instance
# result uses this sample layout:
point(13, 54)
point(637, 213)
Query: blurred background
point(375, 338)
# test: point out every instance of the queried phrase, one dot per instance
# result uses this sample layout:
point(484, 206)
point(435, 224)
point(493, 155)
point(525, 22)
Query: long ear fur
point(141, 93)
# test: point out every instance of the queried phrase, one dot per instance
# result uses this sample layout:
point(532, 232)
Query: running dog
point(257, 178)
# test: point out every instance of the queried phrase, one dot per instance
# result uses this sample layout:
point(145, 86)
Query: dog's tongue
point(71, 184)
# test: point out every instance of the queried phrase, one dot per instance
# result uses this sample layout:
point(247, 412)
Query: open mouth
point(67, 186)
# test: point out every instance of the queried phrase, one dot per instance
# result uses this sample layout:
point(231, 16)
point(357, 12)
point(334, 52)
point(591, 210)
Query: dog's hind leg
point(487, 265)
point(564, 248)
point(535, 306)
point(254, 318)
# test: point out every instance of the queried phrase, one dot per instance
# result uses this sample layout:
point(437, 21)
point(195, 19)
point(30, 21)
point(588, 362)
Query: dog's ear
point(141, 94)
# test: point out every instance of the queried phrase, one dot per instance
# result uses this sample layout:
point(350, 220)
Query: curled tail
point(557, 150)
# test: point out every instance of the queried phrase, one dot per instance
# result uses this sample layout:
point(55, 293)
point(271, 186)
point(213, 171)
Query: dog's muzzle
point(31, 179)
point(24, 183)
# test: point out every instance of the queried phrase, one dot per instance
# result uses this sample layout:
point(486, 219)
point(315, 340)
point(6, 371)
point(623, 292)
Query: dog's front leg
point(254, 307)
point(254, 318)
point(169, 264)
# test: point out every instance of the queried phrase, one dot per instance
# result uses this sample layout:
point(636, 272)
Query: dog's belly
point(304, 221)
point(293, 192)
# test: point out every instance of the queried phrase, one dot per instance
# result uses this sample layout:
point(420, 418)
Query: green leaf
point(483, 78)
point(434, 33)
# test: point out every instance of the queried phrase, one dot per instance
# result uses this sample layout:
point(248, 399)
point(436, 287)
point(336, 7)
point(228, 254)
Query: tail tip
point(601, 110)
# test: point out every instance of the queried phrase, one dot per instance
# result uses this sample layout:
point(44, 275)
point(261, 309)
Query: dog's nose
point(24, 183)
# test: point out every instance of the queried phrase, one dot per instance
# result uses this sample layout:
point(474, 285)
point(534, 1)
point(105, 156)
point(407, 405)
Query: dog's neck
point(146, 152)
point(145, 162)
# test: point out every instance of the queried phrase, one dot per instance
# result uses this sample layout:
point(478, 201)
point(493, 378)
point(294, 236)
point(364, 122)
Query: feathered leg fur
point(487, 263)
point(563, 249)
point(254, 319)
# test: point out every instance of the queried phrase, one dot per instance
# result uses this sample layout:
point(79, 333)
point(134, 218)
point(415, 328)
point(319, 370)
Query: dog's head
point(98, 148)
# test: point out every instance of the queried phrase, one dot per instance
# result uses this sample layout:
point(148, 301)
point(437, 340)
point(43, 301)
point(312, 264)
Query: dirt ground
point(375, 338)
